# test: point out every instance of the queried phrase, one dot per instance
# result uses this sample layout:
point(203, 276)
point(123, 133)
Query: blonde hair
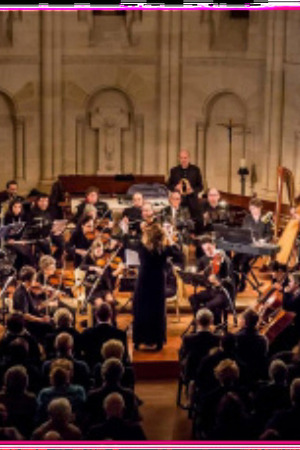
point(112, 349)
point(227, 371)
point(61, 372)
point(63, 316)
point(96, 244)
point(46, 261)
point(154, 237)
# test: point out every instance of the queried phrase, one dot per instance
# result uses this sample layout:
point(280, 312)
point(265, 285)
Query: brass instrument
point(184, 186)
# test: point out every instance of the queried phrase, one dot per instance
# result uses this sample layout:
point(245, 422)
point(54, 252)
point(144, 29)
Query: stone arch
point(109, 133)
point(8, 138)
point(224, 143)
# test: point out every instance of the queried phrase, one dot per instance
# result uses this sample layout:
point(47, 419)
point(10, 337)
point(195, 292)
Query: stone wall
point(107, 92)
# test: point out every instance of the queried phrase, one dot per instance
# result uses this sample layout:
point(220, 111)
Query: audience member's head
point(278, 371)
point(15, 380)
point(104, 313)
point(250, 318)
point(61, 372)
point(15, 323)
point(113, 349)
point(112, 371)
point(60, 411)
point(114, 405)
point(295, 392)
point(63, 318)
point(204, 318)
point(18, 350)
point(52, 436)
point(227, 372)
point(64, 344)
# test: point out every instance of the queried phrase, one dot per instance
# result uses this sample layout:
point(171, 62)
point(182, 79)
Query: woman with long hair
point(149, 323)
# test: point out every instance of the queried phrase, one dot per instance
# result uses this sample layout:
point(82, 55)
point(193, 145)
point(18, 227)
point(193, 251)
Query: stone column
point(274, 94)
point(139, 145)
point(80, 137)
point(57, 93)
point(46, 20)
point(20, 157)
point(200, 157)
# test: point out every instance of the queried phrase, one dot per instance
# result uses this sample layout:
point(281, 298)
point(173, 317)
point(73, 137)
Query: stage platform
point(151, 364)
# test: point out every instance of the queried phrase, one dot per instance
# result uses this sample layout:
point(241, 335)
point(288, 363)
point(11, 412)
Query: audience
point(59, 422)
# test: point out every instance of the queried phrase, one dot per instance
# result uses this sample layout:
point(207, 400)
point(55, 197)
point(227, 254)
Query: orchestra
point(91, 247)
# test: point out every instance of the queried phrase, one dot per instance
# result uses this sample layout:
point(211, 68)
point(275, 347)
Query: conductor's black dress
point(149, 323)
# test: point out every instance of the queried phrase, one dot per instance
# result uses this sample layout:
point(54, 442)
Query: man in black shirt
point(213, 211)
point(92, 198)
point(10, 193)
point(219, 295)
point(132, 216)
point(186, 178)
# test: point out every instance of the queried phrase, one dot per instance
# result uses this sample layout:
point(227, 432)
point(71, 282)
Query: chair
point(180, 293)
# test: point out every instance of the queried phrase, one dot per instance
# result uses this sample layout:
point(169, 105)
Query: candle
point(243, 163)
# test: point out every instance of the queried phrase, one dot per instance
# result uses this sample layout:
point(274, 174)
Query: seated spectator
point(197, 345)
point(115, 349)
point(232, 422)
point(61, 372)
point(286, 422)
point(252, 347)
point(64, 345)
point(227, 374)
point(15, 328)
point(19, 403)
point(272, 395)
point(63, 320)
point(52, 436)
point(112, 373)
point(60, 418)
point(94, 338)
point(7, 433)
point(115, 427)
point(18, 354)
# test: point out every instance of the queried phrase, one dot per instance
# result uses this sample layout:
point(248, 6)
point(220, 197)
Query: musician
point(23, 300)
point(10, 193)
point(47, 265)
point(186, 178)
point(261, 230)
point(98, 267)
point(81, 239)
point(221, 285)
point(212, 210)
point(132, 216)
point(148, 216)
point(13, 242)
point(291, 299)
point(41, 218)
point(92, 198)
point(175, 212)
point(149, 324)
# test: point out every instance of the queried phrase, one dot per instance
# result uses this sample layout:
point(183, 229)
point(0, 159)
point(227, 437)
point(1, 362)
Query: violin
point(105, 259)
point(62, 277)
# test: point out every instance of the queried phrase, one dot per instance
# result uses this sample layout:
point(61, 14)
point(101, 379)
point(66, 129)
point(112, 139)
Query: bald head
point(184, 158)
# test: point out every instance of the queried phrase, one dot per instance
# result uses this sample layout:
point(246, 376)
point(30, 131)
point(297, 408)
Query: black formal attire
point(194, 348)
point(44, 219)
point(23, 252)
point(101, 207)
point(193, 174)
point(94, 338)
point(291, 302)
point(116, 429)
point(216, 215)
point(174, 216)
point(34, 354)
point(213, 297)
point(78, 241)
point(149, 309)
point(6, 197)
point(107, 280)
point(24, 302)
point(252, 350)
point(50, 339)
point(286, 423)
point(134, 215)
point(242, 262)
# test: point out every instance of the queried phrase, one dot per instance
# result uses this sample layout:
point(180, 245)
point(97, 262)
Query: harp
point(289, 234)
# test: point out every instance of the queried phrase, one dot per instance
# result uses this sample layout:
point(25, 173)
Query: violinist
point(261, 231)
point(23, 300)
point(148, 216)
point(41, 218)
point(291, 299)
point(97, 264)
point(20, 249)
point(132, 217)
point(92, 198)
point(214, 297)
point(81, 239)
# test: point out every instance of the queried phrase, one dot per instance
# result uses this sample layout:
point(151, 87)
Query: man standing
point(186, 178)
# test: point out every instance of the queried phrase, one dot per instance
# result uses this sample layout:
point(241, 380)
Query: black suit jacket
point(192, 173)
point(94, 338)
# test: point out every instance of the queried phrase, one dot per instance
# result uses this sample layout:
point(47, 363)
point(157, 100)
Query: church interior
point(173, 137)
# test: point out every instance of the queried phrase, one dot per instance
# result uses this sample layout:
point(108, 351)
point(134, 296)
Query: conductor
point(186, 178)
